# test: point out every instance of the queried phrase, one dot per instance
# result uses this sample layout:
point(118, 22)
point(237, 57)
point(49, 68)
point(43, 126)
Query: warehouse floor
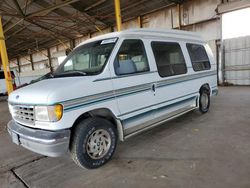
point(211, 150)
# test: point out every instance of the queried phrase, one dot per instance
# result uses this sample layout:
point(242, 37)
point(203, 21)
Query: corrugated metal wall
point(237, 61)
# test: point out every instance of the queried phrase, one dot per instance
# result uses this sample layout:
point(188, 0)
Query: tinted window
point(169, 58)
point(198, 57)
point(131, 58)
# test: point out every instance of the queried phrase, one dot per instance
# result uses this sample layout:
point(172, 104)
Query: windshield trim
point(82, 46)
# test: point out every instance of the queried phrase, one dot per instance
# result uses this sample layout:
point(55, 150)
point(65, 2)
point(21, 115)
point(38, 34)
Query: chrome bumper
point(49, 143)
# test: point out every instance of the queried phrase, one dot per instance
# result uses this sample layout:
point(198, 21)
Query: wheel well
point(205, 87)
point(103, 113)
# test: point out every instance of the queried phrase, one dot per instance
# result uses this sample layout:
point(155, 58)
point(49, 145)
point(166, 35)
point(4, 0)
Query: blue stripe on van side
point(101, 100)
point(124, 76)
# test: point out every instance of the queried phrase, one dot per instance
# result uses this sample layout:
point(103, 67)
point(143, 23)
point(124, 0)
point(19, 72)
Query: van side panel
point(175, 95)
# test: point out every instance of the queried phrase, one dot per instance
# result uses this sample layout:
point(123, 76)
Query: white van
point(110, 88)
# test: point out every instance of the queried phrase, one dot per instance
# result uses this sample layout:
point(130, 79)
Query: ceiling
point(30, 25)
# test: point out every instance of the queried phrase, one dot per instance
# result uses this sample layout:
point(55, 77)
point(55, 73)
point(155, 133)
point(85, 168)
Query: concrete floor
point(211, 150)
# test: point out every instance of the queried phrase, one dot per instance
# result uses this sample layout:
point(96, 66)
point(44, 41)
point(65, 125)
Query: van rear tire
point(204, 101)
point(93, 143)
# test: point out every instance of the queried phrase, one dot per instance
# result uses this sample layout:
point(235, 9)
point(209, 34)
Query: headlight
point(49, 113)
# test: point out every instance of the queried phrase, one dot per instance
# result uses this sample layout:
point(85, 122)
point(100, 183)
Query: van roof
point(152, 33)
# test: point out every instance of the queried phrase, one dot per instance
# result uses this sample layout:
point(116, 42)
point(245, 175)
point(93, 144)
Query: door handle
point(153, 87)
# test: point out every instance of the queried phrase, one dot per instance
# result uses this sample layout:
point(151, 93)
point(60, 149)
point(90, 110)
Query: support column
point(139, 21)
point(72, 44)
point(179, 15)
point(5, 61)
point(118, 15)
point(32, 62)
point(50, 61)
point(18, 64)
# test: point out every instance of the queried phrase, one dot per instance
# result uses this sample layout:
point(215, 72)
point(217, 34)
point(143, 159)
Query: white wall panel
point(237, 60)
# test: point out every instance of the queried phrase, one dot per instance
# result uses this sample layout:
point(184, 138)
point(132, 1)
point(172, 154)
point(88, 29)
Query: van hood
point(49, 91)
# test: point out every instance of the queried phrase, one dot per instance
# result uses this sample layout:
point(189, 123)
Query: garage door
point(237, 60)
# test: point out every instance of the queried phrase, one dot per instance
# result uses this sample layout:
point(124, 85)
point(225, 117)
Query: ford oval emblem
point(17, 97)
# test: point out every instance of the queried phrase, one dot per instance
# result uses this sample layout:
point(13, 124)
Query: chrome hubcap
point(204, 100)
point(98, 144)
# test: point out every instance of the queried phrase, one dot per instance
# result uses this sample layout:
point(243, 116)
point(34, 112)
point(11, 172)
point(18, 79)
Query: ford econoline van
point(112, 87)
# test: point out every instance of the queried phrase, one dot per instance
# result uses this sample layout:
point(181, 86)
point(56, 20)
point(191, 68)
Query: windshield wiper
point(70, 73)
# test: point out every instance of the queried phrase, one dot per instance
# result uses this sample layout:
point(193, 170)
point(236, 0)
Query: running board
point(158, 123)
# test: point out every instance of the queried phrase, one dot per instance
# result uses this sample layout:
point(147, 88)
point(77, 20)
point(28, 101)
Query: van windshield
point(89, 59)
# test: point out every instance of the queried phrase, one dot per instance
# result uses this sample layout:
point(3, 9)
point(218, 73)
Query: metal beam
point(18, 64)
point(50, 61)
point(178, 8)
point(54, 33)
point(32, 62)
point(94, 5)
point(9, 27)
point(232, 6)
point(10, 15)
point(20, 16)
point(90, 18)
point(51, 8)
point(40, 13)
point(18, 31)
point(63, 14)
point(18, 7)
point(5, 61)
point(139, 21)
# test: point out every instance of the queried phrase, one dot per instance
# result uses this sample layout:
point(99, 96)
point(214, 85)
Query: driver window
point(131, 58)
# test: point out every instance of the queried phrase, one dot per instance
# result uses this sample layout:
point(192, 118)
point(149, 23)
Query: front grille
point(23, 114)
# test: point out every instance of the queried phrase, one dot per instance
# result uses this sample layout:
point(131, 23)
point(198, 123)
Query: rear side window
point(169, 58)
point(131, 58)
point(198, 57)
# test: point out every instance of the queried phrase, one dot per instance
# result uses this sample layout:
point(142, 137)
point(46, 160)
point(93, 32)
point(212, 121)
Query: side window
point(198, 57)
point(131, 58)
point(169, 58)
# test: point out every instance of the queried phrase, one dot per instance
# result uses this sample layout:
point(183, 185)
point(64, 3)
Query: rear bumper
point(44, 142)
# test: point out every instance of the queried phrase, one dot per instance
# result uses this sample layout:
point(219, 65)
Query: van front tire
point(93, 142)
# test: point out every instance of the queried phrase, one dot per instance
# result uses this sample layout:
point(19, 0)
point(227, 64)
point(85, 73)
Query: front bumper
point(48, 143)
